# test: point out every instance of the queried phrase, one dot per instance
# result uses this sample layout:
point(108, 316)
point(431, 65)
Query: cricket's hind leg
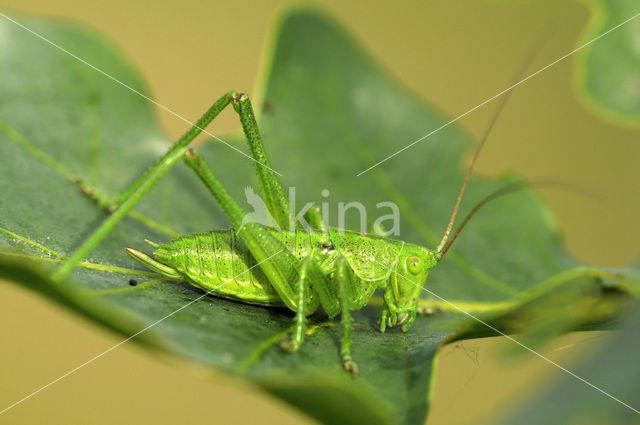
point(315, 220)
point(274, 196)
point(272, 189)
point(110, 204)
point(293, 280)
point(103, 201)
point(279, 265)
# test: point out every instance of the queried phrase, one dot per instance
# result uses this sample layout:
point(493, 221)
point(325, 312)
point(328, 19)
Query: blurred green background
point(455, 54)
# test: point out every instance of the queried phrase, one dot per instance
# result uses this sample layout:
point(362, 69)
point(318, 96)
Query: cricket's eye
point(414, 264)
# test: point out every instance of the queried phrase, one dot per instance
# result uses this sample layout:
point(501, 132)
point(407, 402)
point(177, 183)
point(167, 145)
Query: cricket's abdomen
point(219, 261)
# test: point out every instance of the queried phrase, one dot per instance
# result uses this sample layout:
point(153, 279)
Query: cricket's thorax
point(372, 259)
point(220, 261)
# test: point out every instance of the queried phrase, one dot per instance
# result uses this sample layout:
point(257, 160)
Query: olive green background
point(455, 54)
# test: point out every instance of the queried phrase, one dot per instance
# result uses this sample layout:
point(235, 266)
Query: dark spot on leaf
point(267, 108)
point(93, 98)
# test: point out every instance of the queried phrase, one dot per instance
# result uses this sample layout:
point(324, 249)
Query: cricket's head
point(408, 281)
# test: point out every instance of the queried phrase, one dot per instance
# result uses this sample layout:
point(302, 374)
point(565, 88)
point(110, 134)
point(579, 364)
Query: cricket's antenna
point(505, 190)
point(500, 192)
point(440, 250)
point(496, 114)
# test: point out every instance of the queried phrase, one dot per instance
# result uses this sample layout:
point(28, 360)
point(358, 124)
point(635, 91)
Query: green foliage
point(614, 368)
point(328, 112)
point(608, 71)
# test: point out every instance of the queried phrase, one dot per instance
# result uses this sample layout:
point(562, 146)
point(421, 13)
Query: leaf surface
point(614, 369)
point(327, 112)
point(608, 72)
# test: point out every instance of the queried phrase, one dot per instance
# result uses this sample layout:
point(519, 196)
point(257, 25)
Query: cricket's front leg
point(388, 314)
point(392, 315)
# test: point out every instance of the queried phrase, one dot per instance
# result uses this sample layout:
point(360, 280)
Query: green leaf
point(614, 368)
point(70, 296)
point(607, 73)
point(543, 312)
point(327, 113)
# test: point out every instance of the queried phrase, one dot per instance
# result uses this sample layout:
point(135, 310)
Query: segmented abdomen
point(221, 262)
